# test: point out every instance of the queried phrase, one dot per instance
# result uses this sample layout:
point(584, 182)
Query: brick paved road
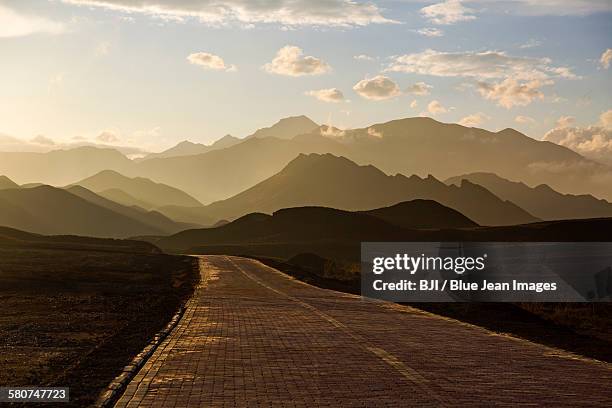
point(252, 336)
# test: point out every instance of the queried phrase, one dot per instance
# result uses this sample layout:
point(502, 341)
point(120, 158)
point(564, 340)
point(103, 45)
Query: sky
point(146, 74)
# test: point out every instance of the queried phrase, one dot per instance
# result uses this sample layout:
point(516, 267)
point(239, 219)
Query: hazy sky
point(150, 73)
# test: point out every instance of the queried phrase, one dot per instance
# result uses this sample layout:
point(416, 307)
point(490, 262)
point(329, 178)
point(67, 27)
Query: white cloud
point(414, 104)
point(606, 58)
point(333, 95)
point(436, 107)
point(430, 32)
point(420, 89)
point(14, 24)
point(290, 60)
point(108, 136)
point(363, 57)
point(378, 88)
point(449, 12)
point(553, 7)
point(474, 120)
point(375, 133)
point(43, 140)
point(594, 142)
point(524, 119)
point(532, 43)
point(481, 65)
point(565, 121)
point(338, 13)
point(102, 49)
point(210, 61)
point(510, 92)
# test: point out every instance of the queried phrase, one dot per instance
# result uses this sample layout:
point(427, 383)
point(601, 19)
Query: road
point(252, 336)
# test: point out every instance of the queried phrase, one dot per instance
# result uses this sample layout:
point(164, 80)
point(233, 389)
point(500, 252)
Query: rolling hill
point(144, 190)
point(541, 201)
point(50, 210)
point(336, 234)
point(422, 214)
point(336, 182)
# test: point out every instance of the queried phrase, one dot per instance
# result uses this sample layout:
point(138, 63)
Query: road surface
point(252, 336)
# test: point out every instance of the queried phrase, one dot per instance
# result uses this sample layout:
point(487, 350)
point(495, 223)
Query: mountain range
point(78, 211)
point(418, 146)
point(541, 201)
point(329, 181)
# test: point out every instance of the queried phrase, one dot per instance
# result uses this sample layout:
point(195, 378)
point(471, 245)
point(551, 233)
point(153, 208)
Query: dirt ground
point(75, 318)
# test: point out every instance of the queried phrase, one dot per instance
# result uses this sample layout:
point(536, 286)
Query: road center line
point(407, 372)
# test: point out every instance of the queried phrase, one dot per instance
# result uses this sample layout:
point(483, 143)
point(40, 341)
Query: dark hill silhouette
point(143, 189)
point(418, 214)
point(6, 183)
point(306, 224)
point(60, 167)
point(336, 182)
point(541, 201)
point(337, 234)
point(50, 210)
point(10, 237)
point(187, 148)
point(287, 128)
point(153, 219)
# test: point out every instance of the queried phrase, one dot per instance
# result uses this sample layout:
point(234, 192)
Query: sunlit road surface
point(252, 336)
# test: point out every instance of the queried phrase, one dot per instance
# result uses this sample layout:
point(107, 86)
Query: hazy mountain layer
point(50, 210)
point(6, 183)
point(144, 190)
point(541, 201)
point(336, 182)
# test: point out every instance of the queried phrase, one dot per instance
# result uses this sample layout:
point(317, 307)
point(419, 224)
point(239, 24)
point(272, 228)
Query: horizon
point(149, 75)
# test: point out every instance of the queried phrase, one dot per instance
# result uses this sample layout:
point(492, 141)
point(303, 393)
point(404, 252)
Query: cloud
point(430, 32)
point(565, 121)
point(363, 57)
point(14, 24)
point(102, 49)
point(210, 61)
point(606, 58)
point(594, 142)
point(375, 133)
point(290, 61)
point(532, 43)
point(43, 140)
point(553, 7)
point(473, 120)
point(414, 104)
point(419, 89)
point(524, 119)
point(449, 12)
point(377, 89)
point(335, 13)
point(436, 107)
point(327, 95)
point(481, 65)
point(510, 92)
point(108, 136)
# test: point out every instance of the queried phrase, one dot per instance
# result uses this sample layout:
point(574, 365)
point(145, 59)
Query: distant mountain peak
point(6, 183)
point(287, 128)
